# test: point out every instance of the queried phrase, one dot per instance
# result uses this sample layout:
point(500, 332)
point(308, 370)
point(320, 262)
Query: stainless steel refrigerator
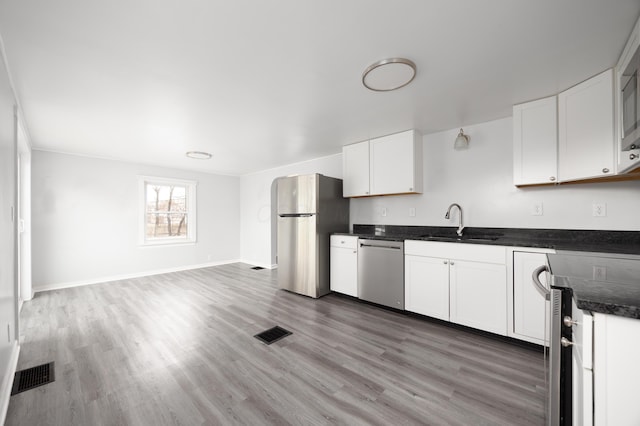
point(310, 209)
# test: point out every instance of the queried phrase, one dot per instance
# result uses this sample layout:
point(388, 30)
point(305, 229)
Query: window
point(168, 214)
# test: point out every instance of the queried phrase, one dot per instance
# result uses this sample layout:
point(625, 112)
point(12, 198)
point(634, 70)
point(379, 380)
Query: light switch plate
point(383, 211)
point(412, 212)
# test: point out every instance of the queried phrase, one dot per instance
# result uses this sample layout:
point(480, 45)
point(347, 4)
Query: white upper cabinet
point(396, 164)
point(535, 142)
point(586, 133)
point(355, 169)
point(387, 165)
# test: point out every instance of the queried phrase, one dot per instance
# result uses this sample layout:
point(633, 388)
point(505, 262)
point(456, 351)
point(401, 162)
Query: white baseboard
point(59, 286)
point(7, 383)
point(262, 265)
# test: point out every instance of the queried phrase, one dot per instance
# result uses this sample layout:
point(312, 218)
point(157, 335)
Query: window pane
point(166, 211)
point(164, 225)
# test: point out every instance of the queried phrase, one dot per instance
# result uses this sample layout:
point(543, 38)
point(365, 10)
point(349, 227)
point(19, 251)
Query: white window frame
point(191, 186)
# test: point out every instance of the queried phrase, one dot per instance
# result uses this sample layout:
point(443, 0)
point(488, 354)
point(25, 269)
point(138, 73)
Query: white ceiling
point(265, 83)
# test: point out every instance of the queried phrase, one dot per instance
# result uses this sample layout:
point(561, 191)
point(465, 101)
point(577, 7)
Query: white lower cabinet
point(426, 286)
point(461, 283)
point(530, 309)
point(616, 371)
point(478, 295)
point(344, 264)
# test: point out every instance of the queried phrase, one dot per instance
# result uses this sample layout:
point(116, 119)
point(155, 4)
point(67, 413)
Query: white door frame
point(25, 290)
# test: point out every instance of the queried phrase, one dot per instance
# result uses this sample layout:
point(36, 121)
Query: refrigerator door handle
point(296, 215)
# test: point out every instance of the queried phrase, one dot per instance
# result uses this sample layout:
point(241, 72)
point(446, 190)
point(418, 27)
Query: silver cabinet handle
point(355, 251)
point(632, 146)
point(632, 156)
point(451, 263)
point(535, 276)
point(445, 262)
point(552, 178)
point(410, 189)
point(366, 192)
point(565, 342)
point(605, 170)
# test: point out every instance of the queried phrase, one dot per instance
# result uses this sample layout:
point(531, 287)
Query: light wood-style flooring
point(179, 349)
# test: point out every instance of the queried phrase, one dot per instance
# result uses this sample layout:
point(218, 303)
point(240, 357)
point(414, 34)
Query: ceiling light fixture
point(462, 141)
point(389, 74)
point(199, 155)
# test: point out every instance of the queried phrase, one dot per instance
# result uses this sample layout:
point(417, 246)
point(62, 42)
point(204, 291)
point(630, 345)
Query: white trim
point(191, 187)
point(58, 286)
point(7, 383)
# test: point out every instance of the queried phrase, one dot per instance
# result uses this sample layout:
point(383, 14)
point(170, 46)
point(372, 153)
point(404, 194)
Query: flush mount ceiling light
point(199, 155)
point(389, 74)
point(462, 141)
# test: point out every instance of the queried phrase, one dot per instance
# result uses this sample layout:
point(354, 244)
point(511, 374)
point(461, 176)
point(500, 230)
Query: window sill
point(166, 243)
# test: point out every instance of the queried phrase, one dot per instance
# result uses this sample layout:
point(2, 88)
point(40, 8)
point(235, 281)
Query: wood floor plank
point(178, 349)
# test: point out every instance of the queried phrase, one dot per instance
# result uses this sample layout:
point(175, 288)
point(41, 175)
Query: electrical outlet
point(536, 209)
point(599, 209)
point(383, 211)
point(412, 212)
point(599, 273)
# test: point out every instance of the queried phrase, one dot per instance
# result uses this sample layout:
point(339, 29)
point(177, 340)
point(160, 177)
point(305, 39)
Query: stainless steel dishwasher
point(381, 272)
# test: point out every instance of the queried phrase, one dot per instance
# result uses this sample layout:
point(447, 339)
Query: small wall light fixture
point(462, 141)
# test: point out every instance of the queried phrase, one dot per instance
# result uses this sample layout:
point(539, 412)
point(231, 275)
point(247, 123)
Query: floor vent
point(257, 268)
point(272, 335)
point(33, 377)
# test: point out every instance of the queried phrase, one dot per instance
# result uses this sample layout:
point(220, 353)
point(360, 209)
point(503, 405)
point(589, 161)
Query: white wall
point(255, 207)
point(480, 180)
point(85, 221)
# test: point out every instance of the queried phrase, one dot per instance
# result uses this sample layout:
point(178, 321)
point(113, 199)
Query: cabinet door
point(616, 371)
point(355, 169)
point(535, 142)
point(529, 306)
point(479, 295)
point(344, 270)
point(586, 133)
point(393, 161)
point(426, 286)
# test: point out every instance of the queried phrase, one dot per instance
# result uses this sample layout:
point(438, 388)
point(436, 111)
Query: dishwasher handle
point(380, 246)
point(535, 276)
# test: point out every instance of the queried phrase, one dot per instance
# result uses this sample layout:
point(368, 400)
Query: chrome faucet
point(460, 226)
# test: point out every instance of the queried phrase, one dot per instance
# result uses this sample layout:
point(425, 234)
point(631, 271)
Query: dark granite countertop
point(600, 282)
point(582, 256)
point(625, 242)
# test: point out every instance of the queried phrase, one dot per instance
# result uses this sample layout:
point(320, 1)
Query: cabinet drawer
point(345, 241)
point(460, 251)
